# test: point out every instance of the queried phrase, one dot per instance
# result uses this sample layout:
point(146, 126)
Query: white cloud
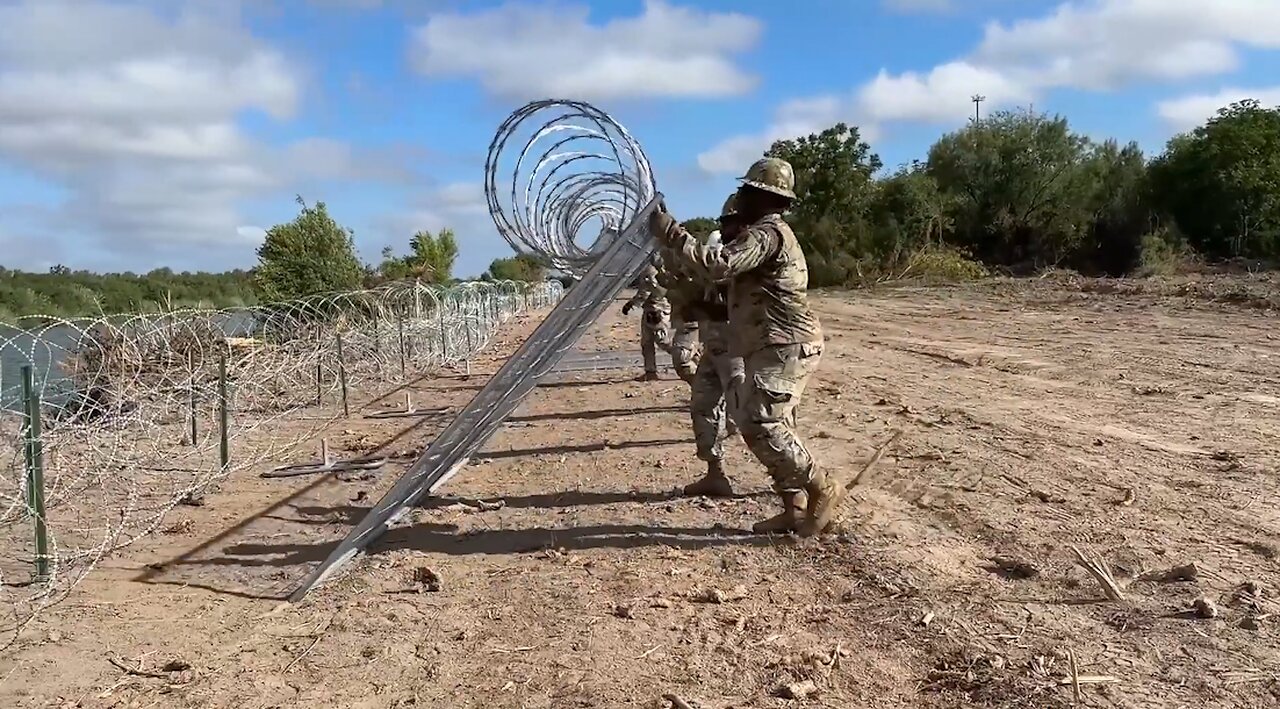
point(1187, 112)
point(1096, 45)
point(463, 198)
point(460, 206)
point(940, 96)
point(521, 52)
point(133, 107)
point(250, 233)
point(1109, 44)
point(798, 117)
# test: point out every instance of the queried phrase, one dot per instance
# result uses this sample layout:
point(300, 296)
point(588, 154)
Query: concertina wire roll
point(579, 194)
point(577, 178)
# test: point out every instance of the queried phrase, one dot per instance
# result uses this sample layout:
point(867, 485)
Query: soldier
point(683, 296)
point(655, 322)
point(713, 404)
point(776, 332)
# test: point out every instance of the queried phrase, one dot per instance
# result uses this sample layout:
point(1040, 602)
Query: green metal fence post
point(466, 321)
point(404, 366)
point(224, 416)
point(342, 378)
point(319, 372)
point(444, 333)
point(35, 471)
point(377, 343)
point(191, 398)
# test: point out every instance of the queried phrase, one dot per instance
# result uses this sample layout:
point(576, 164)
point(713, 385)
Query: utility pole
point(977, 102)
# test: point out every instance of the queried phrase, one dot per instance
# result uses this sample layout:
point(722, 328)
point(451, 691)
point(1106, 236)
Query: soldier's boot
point(788, 520)
point(714, 484)
point(825, 494)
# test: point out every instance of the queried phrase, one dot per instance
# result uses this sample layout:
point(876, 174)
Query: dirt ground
point(1140, 429)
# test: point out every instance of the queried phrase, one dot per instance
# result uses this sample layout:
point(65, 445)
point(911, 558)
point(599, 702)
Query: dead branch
point(1098, 570)
point(677, 702)
point(874, 459)
point(138, 672)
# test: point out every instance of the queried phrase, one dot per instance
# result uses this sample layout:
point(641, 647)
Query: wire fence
point(108, 423)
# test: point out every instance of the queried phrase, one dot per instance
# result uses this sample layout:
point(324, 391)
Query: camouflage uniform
point(780, 339)
point(713, 404)
point(683, 295)
point(656, 322)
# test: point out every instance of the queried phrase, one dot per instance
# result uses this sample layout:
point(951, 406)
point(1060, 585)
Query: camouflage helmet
point(772, 175)
point(730, 207)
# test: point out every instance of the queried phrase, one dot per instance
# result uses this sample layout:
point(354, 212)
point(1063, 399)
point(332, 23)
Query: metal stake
point(342, 378)
point(35, 472)
point(403, 364)
point(224, 416)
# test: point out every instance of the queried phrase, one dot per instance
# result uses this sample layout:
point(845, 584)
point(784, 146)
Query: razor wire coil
point(571, 165)
point(130, 406)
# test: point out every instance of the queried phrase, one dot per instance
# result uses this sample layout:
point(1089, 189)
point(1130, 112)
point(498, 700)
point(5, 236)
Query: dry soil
point(1037, 419)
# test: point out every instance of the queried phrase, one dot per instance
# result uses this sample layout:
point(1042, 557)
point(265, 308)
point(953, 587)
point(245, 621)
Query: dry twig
point(138, 672)
point(319, 635)
point(1075, 675)
point(1082, 680)
point(1098, 570)
point(677, 702)
point(874, 459)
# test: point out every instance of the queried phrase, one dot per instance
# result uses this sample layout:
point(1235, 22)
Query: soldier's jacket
point(693, 298)
point(651, 292)
point(769, 280)
point(676, 287)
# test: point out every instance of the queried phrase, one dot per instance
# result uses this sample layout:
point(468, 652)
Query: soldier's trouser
point(653, 334)
point(776, 377)
point(714, 397)
point(684, 348)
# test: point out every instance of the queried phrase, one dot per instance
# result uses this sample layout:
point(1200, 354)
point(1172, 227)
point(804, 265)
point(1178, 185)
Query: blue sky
point(143, 133)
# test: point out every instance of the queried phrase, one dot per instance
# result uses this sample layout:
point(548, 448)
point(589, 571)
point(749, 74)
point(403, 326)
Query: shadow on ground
point(597, 414)
point(580, 448)
point(445, 539)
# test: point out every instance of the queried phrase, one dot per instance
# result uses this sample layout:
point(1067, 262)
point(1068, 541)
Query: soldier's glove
point(664, 228)
point(626, 307)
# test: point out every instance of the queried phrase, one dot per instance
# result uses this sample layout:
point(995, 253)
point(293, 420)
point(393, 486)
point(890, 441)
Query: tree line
point(1014, 192)
point(315, 254)
point(64, 292)
point(1018, 192)
point(310, 254)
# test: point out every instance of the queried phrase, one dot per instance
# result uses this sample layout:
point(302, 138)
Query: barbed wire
point(131, 407)
point(571, 167)
point(588, 176)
